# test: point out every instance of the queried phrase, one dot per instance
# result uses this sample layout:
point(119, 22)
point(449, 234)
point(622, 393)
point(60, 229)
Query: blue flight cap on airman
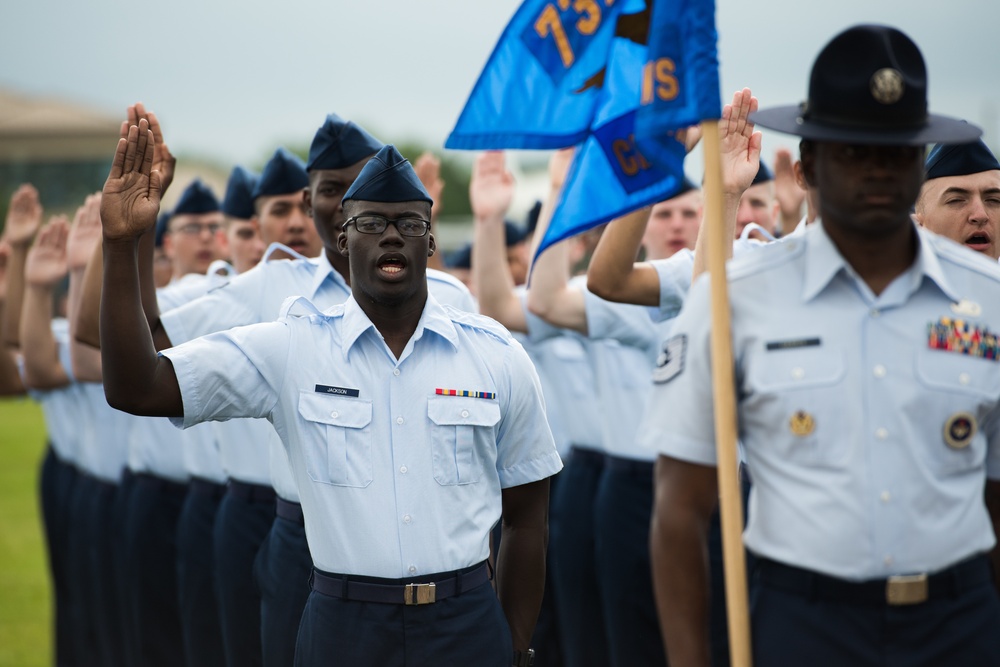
point(283, 174)
point(388, 177)
point(763, 174)
point(339, 143)
point(196, 198)
point(460, 258)
point(162, 221)
point(960, 160)
point(238, 202)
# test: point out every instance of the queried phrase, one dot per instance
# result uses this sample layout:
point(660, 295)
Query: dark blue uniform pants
point(792, 628)
point(245, 515)
point(82, 582)
point(199, 606)
point(467, 629)
point(55, 488)
point(624, 507)
point(105, 612)
point(282, 573)
point(119, 561)
point(151, 570)
point(574, 568)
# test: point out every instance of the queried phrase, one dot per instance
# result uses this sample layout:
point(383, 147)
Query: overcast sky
point(233, 79)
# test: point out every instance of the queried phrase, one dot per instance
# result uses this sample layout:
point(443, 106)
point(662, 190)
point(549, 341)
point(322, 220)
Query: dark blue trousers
point(624, 507)
point(122, 567)
point(546, 639)
point(573, 568)
point(199, 606)
point(82, 582)
point(55, 490)
point(151, 570)
point(467, 629)
point(789, 628)
point(244, 518)
point(282, 573)
point(105, 611)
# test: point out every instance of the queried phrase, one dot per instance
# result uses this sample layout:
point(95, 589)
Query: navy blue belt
point(428, 590)
point(289, 511)
point(587, 455)
point(894, 591)
point(251, 492)
point(631, 466)
point(161, 484)
point(205, 487)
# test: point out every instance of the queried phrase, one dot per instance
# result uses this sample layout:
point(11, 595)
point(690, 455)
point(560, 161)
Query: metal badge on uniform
point(337, 391)
point(967, 308)
point(951, 334)
point(802, 424)
point(465, 392)
point(959, 430)
point(670, 361)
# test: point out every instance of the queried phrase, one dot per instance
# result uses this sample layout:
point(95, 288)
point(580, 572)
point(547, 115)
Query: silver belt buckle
point(907, 589)
point(419, 594)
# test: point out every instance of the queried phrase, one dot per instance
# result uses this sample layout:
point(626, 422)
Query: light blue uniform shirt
point(395, 480)
point(844, 409)
point(105, 434)
point(154, 445)
point(61, 407)
point(256, 296)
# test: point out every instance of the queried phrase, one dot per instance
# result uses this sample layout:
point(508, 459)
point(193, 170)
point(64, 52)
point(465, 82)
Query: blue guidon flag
point(616, 78)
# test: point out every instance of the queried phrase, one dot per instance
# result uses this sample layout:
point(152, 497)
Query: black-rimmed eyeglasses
point(376, 224)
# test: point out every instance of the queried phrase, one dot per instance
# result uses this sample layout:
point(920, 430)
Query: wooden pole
point(730, 496)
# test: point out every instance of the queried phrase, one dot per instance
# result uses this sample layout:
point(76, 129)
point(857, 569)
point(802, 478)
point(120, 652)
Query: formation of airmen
point(388, 459)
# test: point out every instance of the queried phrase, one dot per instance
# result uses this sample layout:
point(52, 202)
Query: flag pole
point(730, 496)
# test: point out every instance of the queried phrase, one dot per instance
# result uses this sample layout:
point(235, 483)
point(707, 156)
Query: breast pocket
point(340, 453)
point(959, 387)
point(461, 435)
point(799, 397)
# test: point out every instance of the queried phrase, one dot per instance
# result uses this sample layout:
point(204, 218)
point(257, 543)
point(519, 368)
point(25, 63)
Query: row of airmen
point(197, 554)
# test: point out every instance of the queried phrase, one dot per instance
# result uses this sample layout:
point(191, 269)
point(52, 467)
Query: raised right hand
point(131, 196)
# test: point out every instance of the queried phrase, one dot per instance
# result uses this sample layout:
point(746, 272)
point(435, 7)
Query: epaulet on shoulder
point(768, 255)
point(956, 253)
point(445, 277)
point(479, 322)
point(274, 247)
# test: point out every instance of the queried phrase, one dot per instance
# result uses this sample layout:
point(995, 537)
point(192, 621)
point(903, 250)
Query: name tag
point(336, 391)
point(775, 345)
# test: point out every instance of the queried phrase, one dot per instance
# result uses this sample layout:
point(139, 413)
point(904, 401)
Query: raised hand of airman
point(131, 196)
point(46, 263)
point(84, 234)
point(491, 187)
point(740, 145)
point(24, 217)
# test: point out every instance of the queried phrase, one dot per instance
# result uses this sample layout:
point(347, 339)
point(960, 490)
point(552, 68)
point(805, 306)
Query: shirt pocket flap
point(335, 411)
point(461, 410)
point(960, 373)
point(785, 369)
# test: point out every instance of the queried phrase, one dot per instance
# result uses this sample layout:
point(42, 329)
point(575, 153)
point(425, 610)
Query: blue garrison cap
point(339, 143)
point(460, 258)
point(763, 174)
point(283, 174)
point(196, 198)
point(238, 202)
point(960, 160)
point(388, 177)
point(531, 220)
point(512, 234)
point(162, 221)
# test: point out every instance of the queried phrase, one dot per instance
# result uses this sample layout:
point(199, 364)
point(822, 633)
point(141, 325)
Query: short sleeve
point(627, 323)
point(675, 280)
point(679, 421)
point(526, 451)
point(230, 305)
point(232, 374)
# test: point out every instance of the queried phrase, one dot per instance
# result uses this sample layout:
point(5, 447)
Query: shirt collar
point(824, 261)
point(325, 270)
point(434, 319)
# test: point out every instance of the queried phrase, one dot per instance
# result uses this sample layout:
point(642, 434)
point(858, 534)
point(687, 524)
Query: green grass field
point(25, 605)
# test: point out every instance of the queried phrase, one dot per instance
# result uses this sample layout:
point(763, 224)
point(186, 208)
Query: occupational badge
point(959, 430)
point(802, 423)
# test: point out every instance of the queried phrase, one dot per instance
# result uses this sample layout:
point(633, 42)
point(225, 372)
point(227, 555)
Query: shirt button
point(465, 414)
point(881, 433)
point(399, 420)
point(406, 518)
point(874, 312)
point(402, 469)
point(334, 414)
point(798, 373)
point(879, 371)
point(395, 371)
point(412, 569)
point(884, 496)
point(964, 378)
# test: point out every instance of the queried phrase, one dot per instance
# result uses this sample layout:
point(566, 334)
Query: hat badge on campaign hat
point(339, 143)
point(868, 86)
point(387, 177)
